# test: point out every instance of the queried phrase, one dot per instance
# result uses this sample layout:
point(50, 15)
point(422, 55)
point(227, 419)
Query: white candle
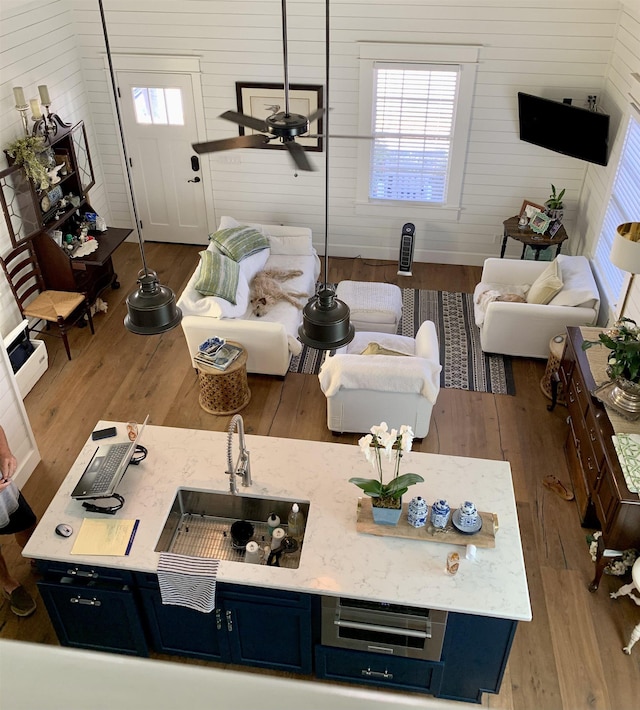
point(18, 94)
point(35, 108)
point(44, 95)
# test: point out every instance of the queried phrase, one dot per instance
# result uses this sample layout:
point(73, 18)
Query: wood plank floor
point(568, 658)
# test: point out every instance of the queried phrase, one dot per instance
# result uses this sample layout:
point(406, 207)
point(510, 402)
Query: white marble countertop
point(336, 559)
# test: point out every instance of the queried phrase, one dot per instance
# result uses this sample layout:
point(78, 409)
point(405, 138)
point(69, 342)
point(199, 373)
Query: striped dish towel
point(188, 581)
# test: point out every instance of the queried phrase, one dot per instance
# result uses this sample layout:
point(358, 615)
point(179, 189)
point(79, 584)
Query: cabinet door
point(186, 632)
point(82, 156)
point(268, 633)
point(103, 618)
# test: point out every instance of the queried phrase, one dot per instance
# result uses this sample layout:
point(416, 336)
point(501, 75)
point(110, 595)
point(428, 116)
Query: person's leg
point(22, 538)
point(7, 582)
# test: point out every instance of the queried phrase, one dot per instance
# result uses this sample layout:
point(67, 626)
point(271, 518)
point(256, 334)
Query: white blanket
point(381, 373)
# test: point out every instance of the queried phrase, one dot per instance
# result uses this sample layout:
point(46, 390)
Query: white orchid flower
point(406, 438)
point(365, 445)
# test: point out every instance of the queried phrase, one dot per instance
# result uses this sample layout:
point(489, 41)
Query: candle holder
point(47, 126)
point(23, 115)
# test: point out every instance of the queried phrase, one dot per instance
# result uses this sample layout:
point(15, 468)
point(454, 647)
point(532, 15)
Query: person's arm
point(8, 463)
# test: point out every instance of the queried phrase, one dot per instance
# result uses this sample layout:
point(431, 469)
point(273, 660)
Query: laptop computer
point(106, 469)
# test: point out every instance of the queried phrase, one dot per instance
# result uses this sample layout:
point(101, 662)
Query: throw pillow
point(218, 276)
point(377, 349)
point(239, 242)
point(545, 287)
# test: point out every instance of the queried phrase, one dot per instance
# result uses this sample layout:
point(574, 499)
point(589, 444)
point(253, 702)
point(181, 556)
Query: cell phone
point(103, 433)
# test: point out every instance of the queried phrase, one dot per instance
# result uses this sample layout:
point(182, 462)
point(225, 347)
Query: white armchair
point(525, 329)
point(363, 390)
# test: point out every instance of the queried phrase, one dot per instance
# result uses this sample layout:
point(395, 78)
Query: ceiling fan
point(282, 125)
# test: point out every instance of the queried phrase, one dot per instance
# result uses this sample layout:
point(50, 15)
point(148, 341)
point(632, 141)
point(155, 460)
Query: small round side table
point(224, 391)
point(550, 384)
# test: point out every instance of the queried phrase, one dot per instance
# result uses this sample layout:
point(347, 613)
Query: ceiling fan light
point(151, 309)
point(325, 321)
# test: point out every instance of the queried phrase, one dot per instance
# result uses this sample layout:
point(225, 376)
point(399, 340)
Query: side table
point(224, 391)
point(550, 383)
point(529, 238)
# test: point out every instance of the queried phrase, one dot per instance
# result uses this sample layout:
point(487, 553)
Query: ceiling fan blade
point(315, 115)
point(254, 141)
point(299, 156)
point(242, 119)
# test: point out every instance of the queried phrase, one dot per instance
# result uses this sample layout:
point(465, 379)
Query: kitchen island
point(486, 598)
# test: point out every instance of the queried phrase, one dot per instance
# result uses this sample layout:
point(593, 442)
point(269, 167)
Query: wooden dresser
point(602, 496)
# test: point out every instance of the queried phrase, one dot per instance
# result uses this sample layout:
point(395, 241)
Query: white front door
point(158, 115)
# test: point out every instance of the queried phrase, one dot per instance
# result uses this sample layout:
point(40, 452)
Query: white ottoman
point(375, 307)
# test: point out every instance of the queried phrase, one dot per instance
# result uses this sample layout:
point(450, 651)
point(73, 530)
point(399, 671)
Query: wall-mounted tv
point(564, 128)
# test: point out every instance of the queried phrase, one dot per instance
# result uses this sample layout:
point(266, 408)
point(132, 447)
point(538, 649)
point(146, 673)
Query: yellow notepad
point(105, 537)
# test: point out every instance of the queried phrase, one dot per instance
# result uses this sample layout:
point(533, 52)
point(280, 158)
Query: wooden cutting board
point(485, 537)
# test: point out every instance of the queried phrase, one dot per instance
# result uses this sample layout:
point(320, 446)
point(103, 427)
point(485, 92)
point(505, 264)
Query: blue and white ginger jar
point(417, 514)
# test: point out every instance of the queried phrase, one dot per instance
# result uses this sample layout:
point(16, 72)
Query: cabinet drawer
point(83, 574)
point(378, 669)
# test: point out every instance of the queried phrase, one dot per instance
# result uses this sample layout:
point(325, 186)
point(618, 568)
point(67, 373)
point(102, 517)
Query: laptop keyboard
point(109, 466)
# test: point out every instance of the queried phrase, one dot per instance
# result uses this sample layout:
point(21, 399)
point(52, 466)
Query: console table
point(529, 238)
point(602, 496)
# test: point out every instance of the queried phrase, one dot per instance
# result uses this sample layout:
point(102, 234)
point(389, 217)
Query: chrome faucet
point(243, 465)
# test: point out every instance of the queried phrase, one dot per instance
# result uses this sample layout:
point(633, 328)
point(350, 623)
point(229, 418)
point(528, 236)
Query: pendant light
point(152, 308)
point(325, 319)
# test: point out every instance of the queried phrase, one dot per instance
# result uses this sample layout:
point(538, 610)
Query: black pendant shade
point(151, 309)
point(325, 318)
point(325, 321)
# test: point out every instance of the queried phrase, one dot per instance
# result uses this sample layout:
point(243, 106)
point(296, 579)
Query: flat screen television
point(564, 128)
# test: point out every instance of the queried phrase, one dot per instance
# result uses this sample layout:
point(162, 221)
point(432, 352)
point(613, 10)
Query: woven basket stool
point(224, 391)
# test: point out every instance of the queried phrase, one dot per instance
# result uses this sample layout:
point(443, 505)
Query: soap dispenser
point(273, 521)
point(295, 523)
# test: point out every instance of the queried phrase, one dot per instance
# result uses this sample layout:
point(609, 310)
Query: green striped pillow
point(238, 242)
point(218, 276)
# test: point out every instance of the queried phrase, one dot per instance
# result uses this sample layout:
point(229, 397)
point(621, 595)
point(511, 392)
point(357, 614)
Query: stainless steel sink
point(200, 521)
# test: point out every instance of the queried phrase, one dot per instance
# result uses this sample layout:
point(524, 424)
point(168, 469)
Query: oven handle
point(386, 629)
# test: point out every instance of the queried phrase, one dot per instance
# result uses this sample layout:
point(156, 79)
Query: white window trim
point(466, 57)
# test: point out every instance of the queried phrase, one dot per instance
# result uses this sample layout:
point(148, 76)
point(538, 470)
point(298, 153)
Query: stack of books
point(217, 354)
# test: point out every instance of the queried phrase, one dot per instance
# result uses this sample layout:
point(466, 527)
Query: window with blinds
point(624, 206)
point(414, 112)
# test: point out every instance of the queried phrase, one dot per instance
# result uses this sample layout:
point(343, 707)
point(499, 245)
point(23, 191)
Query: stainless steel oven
point(381, 627)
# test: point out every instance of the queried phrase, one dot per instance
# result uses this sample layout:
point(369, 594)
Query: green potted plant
point(554, 205)
point(386, 498)
point(27, 153)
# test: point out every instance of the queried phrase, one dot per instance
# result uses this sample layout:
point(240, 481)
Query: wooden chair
point(65, 308)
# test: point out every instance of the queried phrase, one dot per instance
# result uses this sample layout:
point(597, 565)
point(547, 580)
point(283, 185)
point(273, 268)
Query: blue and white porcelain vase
point(440, 512)
point(417, 513)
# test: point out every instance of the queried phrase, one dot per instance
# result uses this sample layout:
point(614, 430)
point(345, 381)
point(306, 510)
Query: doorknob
point(195, 179)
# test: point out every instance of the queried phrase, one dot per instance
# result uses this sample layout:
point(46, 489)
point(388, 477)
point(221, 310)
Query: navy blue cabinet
point(93, 608)
point(251, 626)
point(378, 669)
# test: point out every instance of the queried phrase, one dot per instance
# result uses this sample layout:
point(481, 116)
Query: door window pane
point(158, 106)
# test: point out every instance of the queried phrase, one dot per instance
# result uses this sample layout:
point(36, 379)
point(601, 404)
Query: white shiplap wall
point(551, 48)
point(625, 60)
point(555, 49)
point(38, 46)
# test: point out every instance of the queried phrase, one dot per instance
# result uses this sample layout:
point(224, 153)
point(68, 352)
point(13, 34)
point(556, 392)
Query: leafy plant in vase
point(28, 153)
point(386, 498)
point(554, 205)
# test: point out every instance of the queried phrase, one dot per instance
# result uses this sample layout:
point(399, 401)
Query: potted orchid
point(386, 498)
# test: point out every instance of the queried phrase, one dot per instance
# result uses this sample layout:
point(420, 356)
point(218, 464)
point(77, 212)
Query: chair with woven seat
point(65, 308)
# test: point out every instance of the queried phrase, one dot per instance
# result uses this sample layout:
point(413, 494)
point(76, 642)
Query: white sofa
point(270, 340)
point(525, 329)
point(363, 390)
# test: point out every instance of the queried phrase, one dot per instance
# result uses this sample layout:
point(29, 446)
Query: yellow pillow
point(547, 285)
point(377, 349)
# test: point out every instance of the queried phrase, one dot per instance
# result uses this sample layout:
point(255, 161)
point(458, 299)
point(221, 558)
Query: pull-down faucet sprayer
point(243, 465)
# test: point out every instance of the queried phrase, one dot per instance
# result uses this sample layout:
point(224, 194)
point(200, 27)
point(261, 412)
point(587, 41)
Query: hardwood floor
point(568, 658)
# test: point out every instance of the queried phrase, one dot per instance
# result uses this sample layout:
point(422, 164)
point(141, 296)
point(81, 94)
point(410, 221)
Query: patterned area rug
point(465, 365)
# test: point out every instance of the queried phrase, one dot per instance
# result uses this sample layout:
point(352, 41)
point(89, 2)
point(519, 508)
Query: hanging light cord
point(114, 87)
point(326, 150)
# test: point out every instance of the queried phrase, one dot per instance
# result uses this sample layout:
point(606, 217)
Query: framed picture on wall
point(263, 100)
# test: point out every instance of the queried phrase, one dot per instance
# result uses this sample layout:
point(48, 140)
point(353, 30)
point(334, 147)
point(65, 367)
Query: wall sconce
point(45, 125)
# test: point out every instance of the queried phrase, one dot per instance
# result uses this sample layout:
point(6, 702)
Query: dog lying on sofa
point(266, 289)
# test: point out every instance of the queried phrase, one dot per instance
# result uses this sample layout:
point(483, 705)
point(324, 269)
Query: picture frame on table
point(529, 208)
point(262, 100)
point(540, 222)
